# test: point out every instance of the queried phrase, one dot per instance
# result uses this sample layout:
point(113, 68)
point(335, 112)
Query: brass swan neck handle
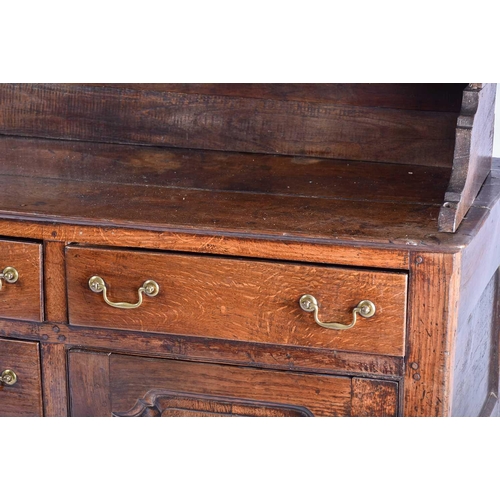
point(149, 288)
point(309, 303)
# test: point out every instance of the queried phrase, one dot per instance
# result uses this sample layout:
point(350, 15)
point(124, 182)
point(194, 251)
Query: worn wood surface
point(309, 205)
point(88, 377)
point(217, 213)
point(24, 298)
point(184, 347)
point(228, 123)
point(239, 246)
point(253, 301)
point(352, 243)
point(472, 156)
point(321, 395)
point(56, 308)
point(433, 304)
point(55, 391)
point(24, 398)
point(417, 96)
point(481, 257)
point(161, 403)
point(216, 171)
point(475, 372)
point(373, 398)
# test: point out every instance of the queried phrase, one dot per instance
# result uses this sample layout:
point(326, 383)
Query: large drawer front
point(104, 384)
point(23, 298)
point(24, 397)
point(237, 299)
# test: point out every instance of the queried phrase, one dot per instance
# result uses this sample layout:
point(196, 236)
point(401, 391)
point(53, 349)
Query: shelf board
point(210, 192)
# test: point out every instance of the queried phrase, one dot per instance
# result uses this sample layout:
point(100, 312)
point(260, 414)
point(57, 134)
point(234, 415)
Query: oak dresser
point(248, 250)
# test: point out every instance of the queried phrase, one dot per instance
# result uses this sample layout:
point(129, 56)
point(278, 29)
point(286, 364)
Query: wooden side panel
point(24, 398)
point(374, 398)
point(89, 384)
point(55, 390)
point(56, 309)
point(238, 300)
point(433, 307)
point(476, 342)
point(133, 377)
point(22, 299)
point(476, 374)
point(472, 156)
point(228, 123)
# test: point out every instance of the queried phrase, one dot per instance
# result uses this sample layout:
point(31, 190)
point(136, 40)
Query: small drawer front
point(103, 384)
point(21, 281)
point(20, 386)
point(237, 299)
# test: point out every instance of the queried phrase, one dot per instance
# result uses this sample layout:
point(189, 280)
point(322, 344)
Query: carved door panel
point(105, 384)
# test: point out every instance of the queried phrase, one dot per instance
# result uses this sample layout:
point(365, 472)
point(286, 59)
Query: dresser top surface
point(209, 192)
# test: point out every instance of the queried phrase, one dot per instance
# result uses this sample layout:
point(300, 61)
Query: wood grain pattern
point(56, 308)
point(395, 257)
point(292, 358)
point(417, 96)
point(373, 398)
point(227, 123)
point(220, 213)
point(476, 355)
point(217, 171)
point(321, 395)
point(89, 384)
point(432, 322)
point(161, 403)
point(24, 398)
point(22, 299)
point(352, 242)
point(237, 299)
point(481, 257)
point(472, 156)
point(55, 391)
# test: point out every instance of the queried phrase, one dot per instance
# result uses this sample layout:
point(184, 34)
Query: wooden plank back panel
point(417, 96)
point(107, 114)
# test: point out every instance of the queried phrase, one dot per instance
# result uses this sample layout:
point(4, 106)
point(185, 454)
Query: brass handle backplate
point(9, 274)
point(149, 287)
point(8, 377)
point(366, 309)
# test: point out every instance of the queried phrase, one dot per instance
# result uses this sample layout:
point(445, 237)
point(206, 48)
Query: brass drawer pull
point(8, 377)
point(149, 287)
point(365, 308)
point(9, 274)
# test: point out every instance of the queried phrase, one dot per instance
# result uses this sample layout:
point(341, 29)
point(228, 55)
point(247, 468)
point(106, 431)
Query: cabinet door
point(20, 389)
point(106, 384)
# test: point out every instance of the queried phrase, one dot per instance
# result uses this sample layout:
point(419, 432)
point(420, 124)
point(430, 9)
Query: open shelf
point(356, 162)
point(218, 193)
